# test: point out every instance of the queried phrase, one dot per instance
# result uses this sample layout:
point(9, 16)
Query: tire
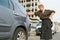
point(20, 34)
point(37, 34)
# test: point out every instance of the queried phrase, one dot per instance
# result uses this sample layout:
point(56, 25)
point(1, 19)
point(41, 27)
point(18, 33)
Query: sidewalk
point(56, 36)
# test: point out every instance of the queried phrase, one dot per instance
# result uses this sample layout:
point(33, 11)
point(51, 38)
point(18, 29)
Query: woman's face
point(41, 8)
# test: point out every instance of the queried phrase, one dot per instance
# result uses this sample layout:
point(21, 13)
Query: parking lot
point(34, 38)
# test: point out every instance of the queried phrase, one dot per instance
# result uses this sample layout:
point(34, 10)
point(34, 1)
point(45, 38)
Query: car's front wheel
point(20, 34)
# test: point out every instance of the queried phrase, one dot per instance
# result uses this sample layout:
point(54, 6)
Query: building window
point(28, 5)
point(24, 0)
point(32, 0)
point(32, 15)
point(35, 4)
point(32, 4)
point(29, 15)
point(28, 0)
point(28, 10)
point(35, 9)
point(32, 9)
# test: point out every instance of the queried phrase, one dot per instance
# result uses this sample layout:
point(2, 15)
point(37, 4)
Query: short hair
point(41, 5)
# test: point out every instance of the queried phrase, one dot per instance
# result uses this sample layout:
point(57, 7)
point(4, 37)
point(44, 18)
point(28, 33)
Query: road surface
point(55, 37)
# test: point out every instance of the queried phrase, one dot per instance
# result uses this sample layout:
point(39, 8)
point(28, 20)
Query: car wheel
point(37, 34)
point(20, 34)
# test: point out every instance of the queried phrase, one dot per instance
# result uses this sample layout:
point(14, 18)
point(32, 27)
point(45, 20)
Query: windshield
point(4, 3)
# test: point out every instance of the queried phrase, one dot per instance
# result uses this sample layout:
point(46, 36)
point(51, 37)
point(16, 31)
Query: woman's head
point(41, 7)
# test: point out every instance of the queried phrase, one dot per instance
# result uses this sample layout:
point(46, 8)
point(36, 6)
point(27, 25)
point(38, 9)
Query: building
point(30, 5)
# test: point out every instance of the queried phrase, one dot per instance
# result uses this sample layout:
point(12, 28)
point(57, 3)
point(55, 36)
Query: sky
point(52, 5)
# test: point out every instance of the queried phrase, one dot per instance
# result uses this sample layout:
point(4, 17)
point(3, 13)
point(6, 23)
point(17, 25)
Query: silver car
point(14, 22)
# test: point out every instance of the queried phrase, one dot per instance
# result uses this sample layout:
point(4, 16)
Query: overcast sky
point(53, 5)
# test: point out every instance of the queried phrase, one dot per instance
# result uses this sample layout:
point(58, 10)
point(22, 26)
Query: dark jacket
point(46, 31)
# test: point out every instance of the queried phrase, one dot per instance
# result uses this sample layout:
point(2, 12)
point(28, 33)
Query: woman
point(44, 15)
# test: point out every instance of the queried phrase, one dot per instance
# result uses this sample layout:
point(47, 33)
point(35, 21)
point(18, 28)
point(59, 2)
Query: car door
point(6, 17)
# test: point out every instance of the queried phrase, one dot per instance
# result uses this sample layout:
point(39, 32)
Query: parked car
point(14, 22)
point(34, 22)
point(38, 28)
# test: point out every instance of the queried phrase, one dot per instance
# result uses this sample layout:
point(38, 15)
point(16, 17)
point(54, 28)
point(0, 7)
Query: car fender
point(13, 28)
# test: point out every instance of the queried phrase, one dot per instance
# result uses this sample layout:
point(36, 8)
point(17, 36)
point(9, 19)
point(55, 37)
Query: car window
point(11, 5)
point(4, 3)
point(19, 7)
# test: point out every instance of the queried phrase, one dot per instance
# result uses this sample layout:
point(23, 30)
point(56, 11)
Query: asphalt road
point(55, 37)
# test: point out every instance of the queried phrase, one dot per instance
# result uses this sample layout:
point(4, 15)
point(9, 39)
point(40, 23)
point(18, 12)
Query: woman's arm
point(49, 15)
point(52, 14)
point(30, 13)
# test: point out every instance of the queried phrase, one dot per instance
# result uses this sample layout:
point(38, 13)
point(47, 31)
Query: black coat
point(46, 32)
